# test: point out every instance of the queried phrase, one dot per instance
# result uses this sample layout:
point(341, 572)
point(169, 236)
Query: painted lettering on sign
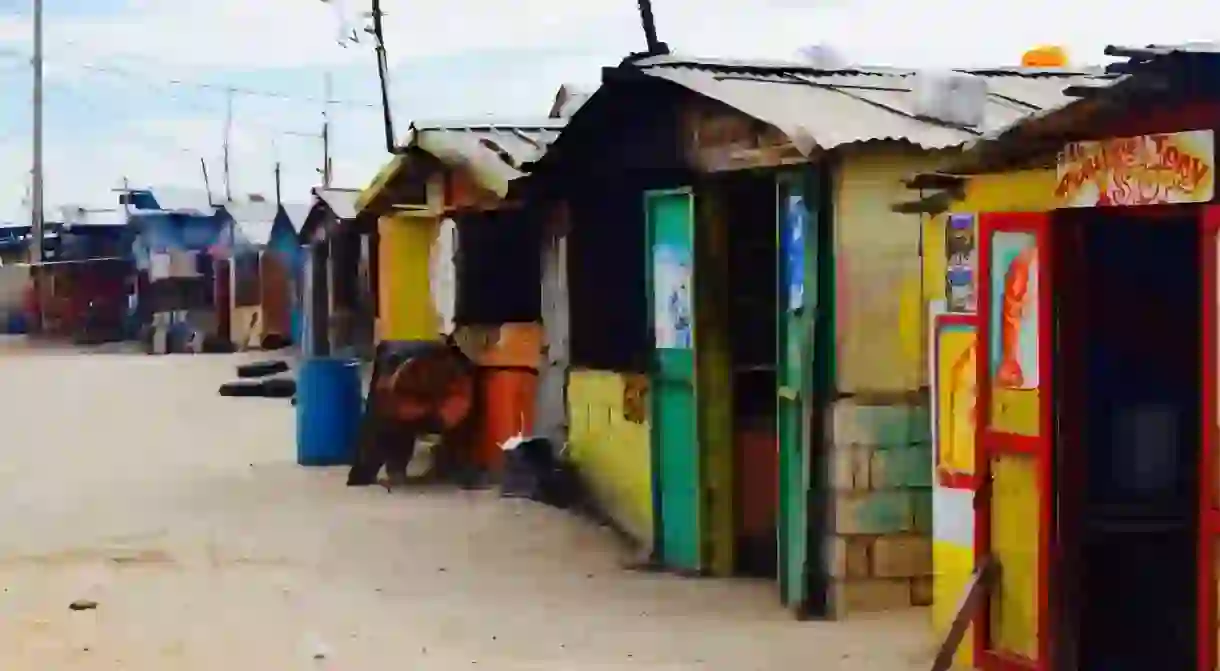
point(1145, 170)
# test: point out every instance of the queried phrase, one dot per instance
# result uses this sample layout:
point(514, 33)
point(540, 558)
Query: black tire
point(241, 389)
point(274, 341)
point(262, 368)
point(279, 387)
point(216, 345)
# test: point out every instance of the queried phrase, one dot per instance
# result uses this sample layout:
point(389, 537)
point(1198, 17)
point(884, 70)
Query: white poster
point(673, 316)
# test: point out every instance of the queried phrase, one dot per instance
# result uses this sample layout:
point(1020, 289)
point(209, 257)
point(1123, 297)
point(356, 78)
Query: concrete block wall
point(880, 507)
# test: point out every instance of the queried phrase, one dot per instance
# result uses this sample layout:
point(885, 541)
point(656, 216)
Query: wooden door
point(223, 298)
point(275, 299)
point(551, 400)
point(797, 309)
point(1014, 505)
point(669, 218)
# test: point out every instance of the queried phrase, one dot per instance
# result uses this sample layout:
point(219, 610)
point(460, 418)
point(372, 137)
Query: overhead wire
point(214, 86)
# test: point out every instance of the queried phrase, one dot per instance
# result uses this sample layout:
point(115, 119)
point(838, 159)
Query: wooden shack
point(763, 361)
point(1088, 236)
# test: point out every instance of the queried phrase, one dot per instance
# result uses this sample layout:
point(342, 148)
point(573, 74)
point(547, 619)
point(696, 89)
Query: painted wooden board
point(670, 220)
point(797, 308)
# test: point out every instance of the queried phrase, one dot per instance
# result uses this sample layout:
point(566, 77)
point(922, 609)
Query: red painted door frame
point(989, 442)
point(1209, 511)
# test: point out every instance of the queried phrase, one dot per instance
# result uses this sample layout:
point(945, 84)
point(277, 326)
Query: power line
point(204, 86)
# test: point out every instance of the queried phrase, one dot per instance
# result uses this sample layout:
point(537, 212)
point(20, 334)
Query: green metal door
point(670, 219)
point(797, 286)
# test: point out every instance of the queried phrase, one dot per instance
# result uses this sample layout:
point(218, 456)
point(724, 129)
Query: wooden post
point(981, 583)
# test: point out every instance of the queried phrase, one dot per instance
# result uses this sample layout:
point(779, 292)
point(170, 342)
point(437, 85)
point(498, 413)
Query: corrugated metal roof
point(494, 152)
point(185, 200)
point(252, 220)
point(1011, 143)
point(816, 107)
point(568, 100)
point(80, 216)
point(297, 213)
point(340, 201)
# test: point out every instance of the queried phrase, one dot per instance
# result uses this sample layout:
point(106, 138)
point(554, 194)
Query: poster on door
point(795, 218)
point(673, 316)
point(1014, 333)
point(960, 263)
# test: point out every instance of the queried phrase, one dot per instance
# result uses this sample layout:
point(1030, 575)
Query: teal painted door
point(797, 309)
point(670, 223)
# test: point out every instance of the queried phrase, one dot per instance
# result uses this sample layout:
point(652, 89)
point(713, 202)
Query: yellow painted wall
point(405, 302)
point(879, 313)
point(1015, 518)
point(610, 451)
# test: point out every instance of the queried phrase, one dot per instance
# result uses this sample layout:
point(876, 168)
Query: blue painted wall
point(285, 244)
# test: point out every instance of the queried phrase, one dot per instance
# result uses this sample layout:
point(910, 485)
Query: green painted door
point(797, 310)
point(670, 219)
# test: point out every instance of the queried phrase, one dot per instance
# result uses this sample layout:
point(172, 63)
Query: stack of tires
point(263, 379)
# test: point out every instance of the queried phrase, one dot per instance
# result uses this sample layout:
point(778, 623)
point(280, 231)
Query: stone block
point(921, 510)
point(902, 556)
point(891, 426)
point(873, 512)
point(869, 595)
point(921, 591)
point(900, 467)
point(849, 467)
point(849, 557)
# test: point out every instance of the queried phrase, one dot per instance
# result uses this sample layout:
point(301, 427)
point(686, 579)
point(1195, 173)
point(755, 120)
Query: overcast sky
point(113, 110)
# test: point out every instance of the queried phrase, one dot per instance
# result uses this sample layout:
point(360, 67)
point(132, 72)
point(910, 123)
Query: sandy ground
point(126, 480)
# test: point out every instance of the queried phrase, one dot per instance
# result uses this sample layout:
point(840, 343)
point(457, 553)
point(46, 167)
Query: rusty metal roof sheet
point(495, 152)
point(816, 107)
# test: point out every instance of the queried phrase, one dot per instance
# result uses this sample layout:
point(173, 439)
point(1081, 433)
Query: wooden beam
point(934, 180)
point(981, 584)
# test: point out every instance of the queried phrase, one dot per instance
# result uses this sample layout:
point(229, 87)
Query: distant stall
point(84, 300)
point(178, 248)
point(260, 300)
point(339, 289)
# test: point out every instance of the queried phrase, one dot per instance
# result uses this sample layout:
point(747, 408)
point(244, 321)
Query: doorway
point(1130, 355)
point(749, 201)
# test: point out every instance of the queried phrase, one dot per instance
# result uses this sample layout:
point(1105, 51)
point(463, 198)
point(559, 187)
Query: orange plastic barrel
point(506, 398)
point(507, 379)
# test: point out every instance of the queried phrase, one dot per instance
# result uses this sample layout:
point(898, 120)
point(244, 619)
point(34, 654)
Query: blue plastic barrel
point(329, 407)
point(16, 323)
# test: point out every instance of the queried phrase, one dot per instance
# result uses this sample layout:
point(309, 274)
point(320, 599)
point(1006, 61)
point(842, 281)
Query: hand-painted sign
point(1145, 170)
point(960, 263)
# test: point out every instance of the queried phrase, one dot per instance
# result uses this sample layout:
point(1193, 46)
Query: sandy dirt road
point(124, 479)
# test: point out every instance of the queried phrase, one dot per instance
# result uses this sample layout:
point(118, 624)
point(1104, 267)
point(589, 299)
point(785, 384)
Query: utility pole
point(326, 166)
point(36, 192)
point(207, 185)
point(229, 93)
point(383, 75)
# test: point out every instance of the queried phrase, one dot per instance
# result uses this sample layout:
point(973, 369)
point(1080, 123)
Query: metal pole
point(36, 190)
point(650, 26)
point(228, 133)
point(326, 176)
